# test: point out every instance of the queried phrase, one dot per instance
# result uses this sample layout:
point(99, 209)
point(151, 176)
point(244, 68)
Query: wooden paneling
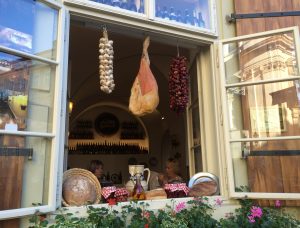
point(11, 174)
point(11, 179)
point(249, 26)
point(276, 174)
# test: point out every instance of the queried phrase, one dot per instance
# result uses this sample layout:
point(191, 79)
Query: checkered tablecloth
point(121, 192)
point(177, 187)
point(106, 191)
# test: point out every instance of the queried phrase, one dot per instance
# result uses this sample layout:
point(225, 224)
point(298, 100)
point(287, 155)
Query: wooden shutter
point(269, 173)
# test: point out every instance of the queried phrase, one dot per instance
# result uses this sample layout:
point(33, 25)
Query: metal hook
point(104, 28)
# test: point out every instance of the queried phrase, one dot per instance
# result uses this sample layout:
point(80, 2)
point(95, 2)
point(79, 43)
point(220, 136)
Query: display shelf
point(107, 148)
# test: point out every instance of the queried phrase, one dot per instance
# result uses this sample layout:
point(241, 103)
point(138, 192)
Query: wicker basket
point(80, 187)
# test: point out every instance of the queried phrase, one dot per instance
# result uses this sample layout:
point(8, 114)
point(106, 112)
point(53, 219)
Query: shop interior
point(148, 140)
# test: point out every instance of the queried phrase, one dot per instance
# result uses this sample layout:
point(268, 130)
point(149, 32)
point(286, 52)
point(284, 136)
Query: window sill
point(154, 205)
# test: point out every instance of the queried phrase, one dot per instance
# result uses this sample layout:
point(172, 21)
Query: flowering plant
point(253, 216)
point(196, 213)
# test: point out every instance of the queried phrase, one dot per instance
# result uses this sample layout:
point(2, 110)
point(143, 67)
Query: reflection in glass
point(264, 110)
point(24, 171)
point(193, 13)
point(270, 166)
point(26, 94)
point(271, 57)
point(30, 27)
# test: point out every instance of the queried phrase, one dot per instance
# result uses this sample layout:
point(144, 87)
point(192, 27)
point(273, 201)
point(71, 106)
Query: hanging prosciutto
point(144, 92)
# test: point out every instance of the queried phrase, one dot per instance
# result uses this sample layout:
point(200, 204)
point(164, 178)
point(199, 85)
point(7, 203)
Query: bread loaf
point(156, 194)
point(207, 188)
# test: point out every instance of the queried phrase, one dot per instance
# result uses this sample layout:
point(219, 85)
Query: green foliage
point(196, 213)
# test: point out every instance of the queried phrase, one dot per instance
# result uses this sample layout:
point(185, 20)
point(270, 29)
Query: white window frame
point(224, 118)
point(148, 16)
point(59, 112)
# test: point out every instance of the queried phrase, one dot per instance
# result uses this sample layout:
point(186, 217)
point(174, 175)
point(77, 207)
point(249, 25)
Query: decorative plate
point(107, 124)
point(202, 178)
point(80, 187)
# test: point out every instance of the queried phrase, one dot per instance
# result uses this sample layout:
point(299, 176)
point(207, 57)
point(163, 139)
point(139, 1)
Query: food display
point(106, 56)
point(144, 92)
point(158, 193)
point(80, 187)
point(176, 190)
point(117, 194)
point(178, 84)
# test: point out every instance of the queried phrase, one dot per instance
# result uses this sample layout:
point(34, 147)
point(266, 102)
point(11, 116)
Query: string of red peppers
point(178, 84)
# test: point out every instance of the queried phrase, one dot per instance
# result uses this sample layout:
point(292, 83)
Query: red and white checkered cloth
point(177, 187)
point(121, 192)
point(106, 191)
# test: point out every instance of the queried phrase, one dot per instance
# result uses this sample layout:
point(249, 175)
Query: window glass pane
point(267, 166)
point(265, 110)
point(131, 5)
point(28, 26)
point(196, 125)
point(26, 94)
point(271, 57)
point(194, 85)
point(194, 13)
point(24, 171)
point(198, 159)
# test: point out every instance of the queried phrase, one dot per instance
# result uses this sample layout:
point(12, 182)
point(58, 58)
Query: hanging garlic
point(106, 55)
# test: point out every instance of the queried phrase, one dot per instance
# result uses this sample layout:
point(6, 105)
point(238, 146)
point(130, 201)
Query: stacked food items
point(178, 84)
point(113, 193)
point(106, 56)
point(176, 190)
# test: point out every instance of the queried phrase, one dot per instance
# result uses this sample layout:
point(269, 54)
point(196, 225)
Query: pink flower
point(147, 214)
point(179, 207)
point(277, 203)
point(251, 219)
point(256, 212)
point(219, 201)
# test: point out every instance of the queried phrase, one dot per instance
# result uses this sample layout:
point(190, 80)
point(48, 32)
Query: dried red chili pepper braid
point(178, 84)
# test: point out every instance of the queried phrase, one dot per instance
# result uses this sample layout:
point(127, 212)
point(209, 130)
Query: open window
point(260, 97)
point(32, 105)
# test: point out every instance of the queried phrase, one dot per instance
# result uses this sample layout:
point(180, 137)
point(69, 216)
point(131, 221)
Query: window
point(32, 107)
point(195, 152)
point(261, 98)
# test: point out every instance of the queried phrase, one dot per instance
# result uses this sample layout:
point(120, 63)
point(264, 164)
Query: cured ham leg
point(144, 92)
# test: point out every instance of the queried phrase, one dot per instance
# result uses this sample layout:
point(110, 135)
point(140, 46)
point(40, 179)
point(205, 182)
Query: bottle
point(201, 22)
point(132, 6)
point(124, 4)
point(158, 12)
point(165, 14)
point(142, 9)
point(138, 192)
point(116, 3)
point(107, 2)
point(172, 14)
point(179, 16)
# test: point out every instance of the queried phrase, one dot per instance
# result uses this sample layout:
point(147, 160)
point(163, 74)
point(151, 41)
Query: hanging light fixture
point(71, 105)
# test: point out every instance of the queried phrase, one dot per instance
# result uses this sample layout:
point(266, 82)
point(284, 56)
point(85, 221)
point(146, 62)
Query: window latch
point(233, 17)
